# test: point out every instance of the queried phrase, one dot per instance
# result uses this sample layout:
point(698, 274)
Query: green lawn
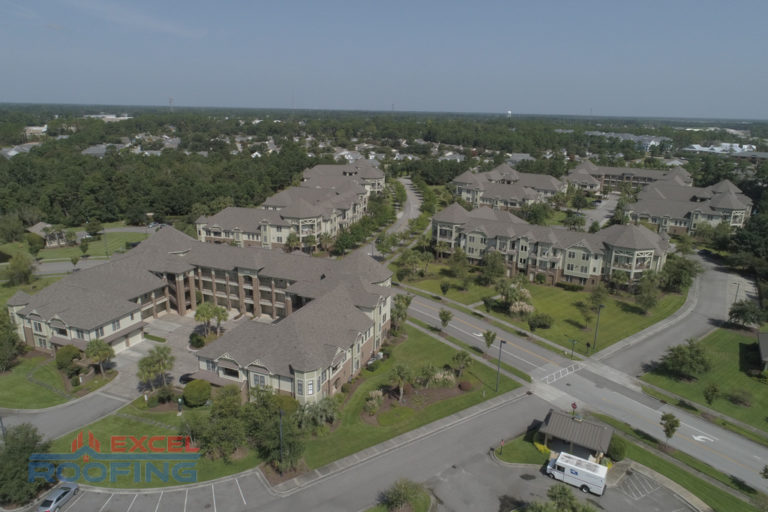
point(6, 292)
point(113, 242)
point(16, 392)
point(12, 249)
point(419, 504)
point(353, 434)
point(438, 273)
point(620, 317)
point(521, 450)
point(732, 353)
point(119, 425)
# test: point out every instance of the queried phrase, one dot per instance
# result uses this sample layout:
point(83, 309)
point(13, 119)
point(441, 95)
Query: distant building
point(53, 237)
point(504, 187)
point(330, 198)
point(612, 178)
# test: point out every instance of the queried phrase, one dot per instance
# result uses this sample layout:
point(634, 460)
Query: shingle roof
point(19, 298)
point(630, 236)
point(248, 220)
point(452, 214)
point(588, 434)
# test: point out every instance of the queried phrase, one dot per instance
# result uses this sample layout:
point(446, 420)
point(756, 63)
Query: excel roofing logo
point(146, 458)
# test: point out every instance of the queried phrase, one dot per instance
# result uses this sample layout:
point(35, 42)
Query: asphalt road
point(600, 387)
point(410, 209)
point(603, 212)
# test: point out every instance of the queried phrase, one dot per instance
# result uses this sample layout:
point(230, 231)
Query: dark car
point(58, 497)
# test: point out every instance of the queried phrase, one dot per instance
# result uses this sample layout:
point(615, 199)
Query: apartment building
point(330, 198)
point(313, 318)
point(557, 253)
point(607, 179)
point(505, 187)
point(676, 209)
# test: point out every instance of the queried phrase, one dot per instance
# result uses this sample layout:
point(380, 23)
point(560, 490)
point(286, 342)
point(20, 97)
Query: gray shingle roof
point(588, 434)
point(452, 214)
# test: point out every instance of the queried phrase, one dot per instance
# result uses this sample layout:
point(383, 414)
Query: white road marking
point(214, 498)
point(159, 500)
point(699, 431)
point(106, 502)
point(76, 500)
point(701, 439)
point(131, 505)
point(186, 495)
point(241, 491)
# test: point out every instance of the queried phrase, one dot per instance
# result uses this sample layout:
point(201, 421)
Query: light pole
point(738, 288)
point(2, 429)
point(597, 326)
point(573, 344)
point(498, 367)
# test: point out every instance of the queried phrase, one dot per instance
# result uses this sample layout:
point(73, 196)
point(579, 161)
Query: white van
point(587, 476)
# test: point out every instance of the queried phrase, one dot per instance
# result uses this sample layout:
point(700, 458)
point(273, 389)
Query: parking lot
point(231, 495)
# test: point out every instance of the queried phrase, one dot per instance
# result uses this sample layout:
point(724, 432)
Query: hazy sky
point(618, 57)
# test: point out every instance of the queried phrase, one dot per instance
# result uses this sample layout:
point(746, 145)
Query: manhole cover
point(528, 477)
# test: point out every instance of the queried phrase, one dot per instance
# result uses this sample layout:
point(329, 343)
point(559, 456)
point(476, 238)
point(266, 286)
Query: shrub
point(74, 381)
point(165, 394)
point(465, 385)
point(345, 387)
point(287, 403)
point(386, 350)
point(373, 401)
point(153, 401)
point(373, 366)
point(540, 278)
point(617, 450)
point(445, 379)
point(197, 393)
point(741, 397)
point(65, 356)
point(541, 448)
point(196, 340)
point(570, 287)
point(402, 492)
point(540, 320)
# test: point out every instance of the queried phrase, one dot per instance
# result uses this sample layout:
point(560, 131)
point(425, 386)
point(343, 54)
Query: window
point(583, 270)
point(228, 372)
point(41, 342)
point(116, 325)
point(38, 326)
point(80, 334)
point(259, 380)
point(569, 266)
point(300, 387)
point(131, 316)
point(310, 387)
point(571, 254)
point(324, 376)
point(279, 239)
point(210, 365)
point(584, 256)
point(100, 332)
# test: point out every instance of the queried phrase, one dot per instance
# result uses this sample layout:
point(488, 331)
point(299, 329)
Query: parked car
point(58, 497)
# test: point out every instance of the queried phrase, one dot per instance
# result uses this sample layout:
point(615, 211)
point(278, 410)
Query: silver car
point(58, 497)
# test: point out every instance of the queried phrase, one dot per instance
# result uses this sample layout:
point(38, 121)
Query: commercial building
point(314, 320)
point(556, 253)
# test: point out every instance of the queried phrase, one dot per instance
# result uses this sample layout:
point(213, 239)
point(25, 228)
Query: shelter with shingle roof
point(576, 432)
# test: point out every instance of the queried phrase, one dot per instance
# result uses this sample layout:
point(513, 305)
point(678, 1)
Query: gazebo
point(577, 432)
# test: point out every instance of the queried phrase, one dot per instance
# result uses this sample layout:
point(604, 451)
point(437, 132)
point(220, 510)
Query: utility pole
point(498, 366)
point(597, 326)
point(281, 441)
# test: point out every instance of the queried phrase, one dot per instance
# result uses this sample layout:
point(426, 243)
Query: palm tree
point(220, 314)
point(462, 360)
point(100, 352)
point(292, 242)
point(441, 248)
point(427, 373)
point(325, 240)
point(490, 337)
point(445, 317)
point(310, 242)
point(204, 314)
point(399, 376)
point(147, 372)
point(162, 360)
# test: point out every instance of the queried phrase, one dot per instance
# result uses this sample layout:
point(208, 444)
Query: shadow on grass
point(741, 485)
point(626, 307)
point(749, 358)
point(574, 323)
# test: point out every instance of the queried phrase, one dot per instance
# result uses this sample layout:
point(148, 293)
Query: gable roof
point(452, 214)
point(595, 436)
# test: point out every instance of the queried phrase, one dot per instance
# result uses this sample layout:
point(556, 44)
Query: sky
point(670, 58)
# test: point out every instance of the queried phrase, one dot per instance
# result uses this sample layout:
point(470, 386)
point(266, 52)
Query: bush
point(373, 366)
point(345, 388)
point(617, 450)
point(540, 278)
point(387, 351)
point(741, 397)
point(153, 401)
point(74, 381)
point(165, 395)
point(197, 393)
point(570, 287)
point(65, 355)
point(465, 385)
point(540, 321)
point(196, 340)
point(402, 492)
point(287, 403)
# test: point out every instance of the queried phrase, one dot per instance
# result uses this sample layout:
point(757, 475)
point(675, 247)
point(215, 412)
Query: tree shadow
point(749, 358)
point(509, 503)
point(574, 323)
point(626, 307)
point(742, 486)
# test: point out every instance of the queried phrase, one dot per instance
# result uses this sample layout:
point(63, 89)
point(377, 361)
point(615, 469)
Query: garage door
point(119, 345)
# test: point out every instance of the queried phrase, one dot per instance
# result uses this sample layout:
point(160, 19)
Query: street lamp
point(573, 344)
point(498, 367)
point(597, 326)
point(738, 288)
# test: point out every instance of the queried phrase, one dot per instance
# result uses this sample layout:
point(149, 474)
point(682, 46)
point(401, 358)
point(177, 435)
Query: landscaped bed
point(733, 355)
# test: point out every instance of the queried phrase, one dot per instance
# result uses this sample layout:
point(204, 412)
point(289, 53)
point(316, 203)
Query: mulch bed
point(274, 478)
point(417, 400)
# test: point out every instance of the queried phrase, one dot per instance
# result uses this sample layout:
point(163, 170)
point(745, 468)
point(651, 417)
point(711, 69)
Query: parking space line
point(241, 491)
point(186, 495)
point(214, 498)
point(106, 502)
point(131, 505)
point(76, 500)
point(157, 507)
